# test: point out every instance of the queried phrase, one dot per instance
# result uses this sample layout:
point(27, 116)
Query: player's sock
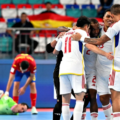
point(65, 111)
point(57, 111)
point(94, 116)
point(83, 116)
point(16, 99)
point(33, 97)
point(108, 111)
point(116, 116)
point(77, 114)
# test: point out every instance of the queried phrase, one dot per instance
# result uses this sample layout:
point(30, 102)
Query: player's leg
point(104, 93)
point(78, 85)
point(18, 77)
point(33, 93)
point(65, 91)
point(114, 85)
point(92, 91)
point(58, 106)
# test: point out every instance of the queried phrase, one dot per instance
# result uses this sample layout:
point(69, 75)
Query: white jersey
point(72, 61)
point(102, 62)
point(113, 33)
point(90, 61)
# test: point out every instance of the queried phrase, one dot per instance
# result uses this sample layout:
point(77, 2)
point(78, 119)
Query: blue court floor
point(46, 115)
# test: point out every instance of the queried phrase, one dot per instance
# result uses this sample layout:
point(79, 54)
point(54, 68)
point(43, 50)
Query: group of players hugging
point(88, 63)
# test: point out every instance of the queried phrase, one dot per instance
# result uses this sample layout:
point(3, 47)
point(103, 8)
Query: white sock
point(94, 116)
point(83, 116)
point(108, 111)
point(116, 116)
point(65, 111)
point(77, 114)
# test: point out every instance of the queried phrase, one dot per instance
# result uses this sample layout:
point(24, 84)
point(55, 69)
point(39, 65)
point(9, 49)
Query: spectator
point(48, 8)
point(104, 5)
point(23, 36)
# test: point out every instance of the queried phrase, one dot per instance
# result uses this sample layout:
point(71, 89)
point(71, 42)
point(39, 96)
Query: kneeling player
point(72, 68)
point(9, 107)
point(23, 64)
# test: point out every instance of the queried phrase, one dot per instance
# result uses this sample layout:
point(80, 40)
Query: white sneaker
point(1, 93)
point(34, 111)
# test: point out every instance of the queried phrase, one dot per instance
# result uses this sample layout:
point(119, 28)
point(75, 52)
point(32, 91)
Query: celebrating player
point(112, 32)
point(72, 68)
point(23, 64)
point(9, 107)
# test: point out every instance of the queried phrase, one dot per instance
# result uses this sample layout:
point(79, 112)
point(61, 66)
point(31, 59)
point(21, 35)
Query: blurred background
point(26, 26)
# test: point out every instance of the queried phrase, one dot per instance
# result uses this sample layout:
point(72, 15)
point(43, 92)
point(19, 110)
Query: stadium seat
point(19, 1)
point(73, 12)
point(27, 8)
point(64, 2)
point(89, 12)
point(5, 2)
point(3, 25)
point(96, 2)
point(58, 8)
point(72, 6)
point(5, 43)
point(35, 2)
point(8, 11)
point(80, 2)
point(116, 2)
point(38, 8)
point(88, 6)
point(52, 1)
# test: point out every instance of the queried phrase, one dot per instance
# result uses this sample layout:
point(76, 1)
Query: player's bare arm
point(95, 41)
point(55, 52)
point(29, 80)
point(10, 81)
point(99, 51)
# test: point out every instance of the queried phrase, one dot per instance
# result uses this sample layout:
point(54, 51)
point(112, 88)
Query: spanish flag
point(50, 20)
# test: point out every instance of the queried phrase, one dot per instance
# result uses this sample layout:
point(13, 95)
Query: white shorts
point(102, 80)
point(114, 81)
point(91, 81)
point(69, 82)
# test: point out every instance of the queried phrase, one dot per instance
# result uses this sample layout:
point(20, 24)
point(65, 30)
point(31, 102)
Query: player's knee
point(32, 85)
point(104, 100)
point(16, 86)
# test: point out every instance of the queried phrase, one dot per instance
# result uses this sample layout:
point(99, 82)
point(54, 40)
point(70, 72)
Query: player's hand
point(22, 90)
point(61, 34)
point(109, 56)
point(76, 36)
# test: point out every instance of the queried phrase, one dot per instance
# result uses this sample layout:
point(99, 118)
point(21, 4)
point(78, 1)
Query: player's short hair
point(24, 65)
point(115, 9)
point(108, 10)
point(25, 104)
point(93, 20)
point(82, 21)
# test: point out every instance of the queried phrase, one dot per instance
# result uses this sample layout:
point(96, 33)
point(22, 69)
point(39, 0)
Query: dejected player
point(9, 107)
point(23, 64)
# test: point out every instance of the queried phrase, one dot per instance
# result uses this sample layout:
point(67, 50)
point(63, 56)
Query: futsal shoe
point(34, 111)
point(1, 93)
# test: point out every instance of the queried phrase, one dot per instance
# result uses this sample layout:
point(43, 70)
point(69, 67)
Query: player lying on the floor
point(9, 107)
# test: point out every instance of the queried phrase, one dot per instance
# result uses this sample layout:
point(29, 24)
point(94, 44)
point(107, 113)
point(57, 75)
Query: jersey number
point(67, 44)
point(87, 52)
point(101, 46)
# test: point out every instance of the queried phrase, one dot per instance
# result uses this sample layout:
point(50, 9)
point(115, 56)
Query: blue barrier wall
point(44, 83)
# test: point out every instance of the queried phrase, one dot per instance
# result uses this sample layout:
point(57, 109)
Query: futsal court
point(44, 114)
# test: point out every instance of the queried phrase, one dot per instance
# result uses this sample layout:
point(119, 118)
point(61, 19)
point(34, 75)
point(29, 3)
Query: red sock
point(33, 97)
point(16, 98)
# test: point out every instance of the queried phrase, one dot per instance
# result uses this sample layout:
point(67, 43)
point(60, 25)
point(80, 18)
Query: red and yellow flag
point(51, 20)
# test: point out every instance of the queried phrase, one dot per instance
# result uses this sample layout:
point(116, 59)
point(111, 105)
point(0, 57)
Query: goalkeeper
point(9, 107)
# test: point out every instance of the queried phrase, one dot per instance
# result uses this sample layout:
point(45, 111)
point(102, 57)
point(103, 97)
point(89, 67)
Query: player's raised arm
point(99, 51)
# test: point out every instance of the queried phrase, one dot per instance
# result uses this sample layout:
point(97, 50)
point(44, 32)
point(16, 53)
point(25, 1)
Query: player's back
point(72, 61)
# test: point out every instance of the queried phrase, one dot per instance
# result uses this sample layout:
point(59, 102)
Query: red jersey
point(23, 57)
